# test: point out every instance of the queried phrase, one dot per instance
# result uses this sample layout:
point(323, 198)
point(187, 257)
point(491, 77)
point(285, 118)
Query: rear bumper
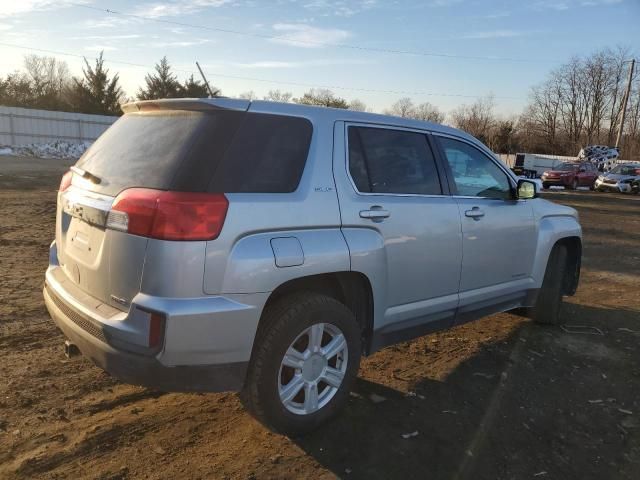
point(206, 346)
point(147, 371)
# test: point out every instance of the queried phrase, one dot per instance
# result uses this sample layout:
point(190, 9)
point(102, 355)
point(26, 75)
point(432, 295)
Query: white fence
point(23, 126)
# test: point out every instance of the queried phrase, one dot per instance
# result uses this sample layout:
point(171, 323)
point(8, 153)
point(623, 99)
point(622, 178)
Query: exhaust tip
point(70, 349)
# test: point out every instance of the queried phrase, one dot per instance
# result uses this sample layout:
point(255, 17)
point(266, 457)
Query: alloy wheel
point(313, 368)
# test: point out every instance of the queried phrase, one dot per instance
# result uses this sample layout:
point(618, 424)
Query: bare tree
point(48, 78)
point(572, 108)
point(476, 119)
point(322, 97)
point(402, 108)
point(357, 105)
point(580, 104)
point(427, 113)
point(250, 95)
point(617, 73)
point(597, 80)
point(278, 96)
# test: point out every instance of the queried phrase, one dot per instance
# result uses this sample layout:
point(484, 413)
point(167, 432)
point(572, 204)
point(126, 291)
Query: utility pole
point(627, 93)
point(211, 94)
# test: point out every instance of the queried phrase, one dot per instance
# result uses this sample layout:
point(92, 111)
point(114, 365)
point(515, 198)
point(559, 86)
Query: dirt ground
point(500, 398)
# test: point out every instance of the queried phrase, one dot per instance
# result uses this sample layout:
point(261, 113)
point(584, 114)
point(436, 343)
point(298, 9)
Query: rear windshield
point(221, 151)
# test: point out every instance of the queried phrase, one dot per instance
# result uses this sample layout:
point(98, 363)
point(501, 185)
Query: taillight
point(168, 215)
point(66, 181)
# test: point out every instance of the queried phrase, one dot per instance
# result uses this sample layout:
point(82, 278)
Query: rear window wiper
point(85, 174)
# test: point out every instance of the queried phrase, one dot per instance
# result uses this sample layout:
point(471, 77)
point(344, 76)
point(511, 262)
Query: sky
point(446, 52)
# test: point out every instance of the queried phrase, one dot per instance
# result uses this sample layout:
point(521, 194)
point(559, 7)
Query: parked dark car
point(571, 175)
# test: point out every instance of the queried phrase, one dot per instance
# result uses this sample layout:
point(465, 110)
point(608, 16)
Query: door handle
point(474, 213)
point(375, 213)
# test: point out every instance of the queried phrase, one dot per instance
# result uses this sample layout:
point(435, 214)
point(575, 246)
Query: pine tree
point(96, 93)
point(194, 89)
point(162, 84)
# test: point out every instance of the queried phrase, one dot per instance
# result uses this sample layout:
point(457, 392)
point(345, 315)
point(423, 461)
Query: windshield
point(626, 170)
point(567, 167)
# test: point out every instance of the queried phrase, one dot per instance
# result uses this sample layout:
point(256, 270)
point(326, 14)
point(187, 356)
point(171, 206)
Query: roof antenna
point(211, 94)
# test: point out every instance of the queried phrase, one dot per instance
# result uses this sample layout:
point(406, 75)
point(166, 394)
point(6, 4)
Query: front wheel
point(304, 363)
point(547, 307)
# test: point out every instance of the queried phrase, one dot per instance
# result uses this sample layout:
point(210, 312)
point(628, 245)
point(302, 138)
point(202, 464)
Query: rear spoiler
point(196, 104)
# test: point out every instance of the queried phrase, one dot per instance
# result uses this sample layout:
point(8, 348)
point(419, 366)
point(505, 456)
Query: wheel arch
point(558, 230)
point(574, 260)
point(353, 289)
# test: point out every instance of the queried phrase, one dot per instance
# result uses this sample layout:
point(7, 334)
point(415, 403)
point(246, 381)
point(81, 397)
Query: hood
point(618, 177)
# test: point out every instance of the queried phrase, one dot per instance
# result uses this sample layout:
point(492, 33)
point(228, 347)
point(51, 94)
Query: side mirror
point(526, 190)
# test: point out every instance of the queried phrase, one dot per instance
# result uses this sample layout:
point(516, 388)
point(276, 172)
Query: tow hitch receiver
point(70, 349)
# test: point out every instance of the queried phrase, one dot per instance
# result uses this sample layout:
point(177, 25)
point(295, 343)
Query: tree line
point(579, 103)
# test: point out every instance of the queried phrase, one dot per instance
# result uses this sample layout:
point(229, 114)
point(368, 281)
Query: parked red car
point(571, 175)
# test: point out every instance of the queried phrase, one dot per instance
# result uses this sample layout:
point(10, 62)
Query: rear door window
point(223, 151)
point(268, 155)
point(392, 161)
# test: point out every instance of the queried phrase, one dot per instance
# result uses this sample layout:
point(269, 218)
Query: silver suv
point(208, 245)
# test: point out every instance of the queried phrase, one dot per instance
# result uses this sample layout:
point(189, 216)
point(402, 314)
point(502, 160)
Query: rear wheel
point(545, 186)
point(547, 307)
point(304, 363)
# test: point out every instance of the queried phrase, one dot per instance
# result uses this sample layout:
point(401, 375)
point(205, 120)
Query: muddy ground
point(500, 398)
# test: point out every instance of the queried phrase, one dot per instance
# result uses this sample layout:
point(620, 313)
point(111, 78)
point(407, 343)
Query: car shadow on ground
point(537, 402)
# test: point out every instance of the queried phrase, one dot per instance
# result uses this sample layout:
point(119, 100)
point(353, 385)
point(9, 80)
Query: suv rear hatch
point(154, 147)
point(163, 172)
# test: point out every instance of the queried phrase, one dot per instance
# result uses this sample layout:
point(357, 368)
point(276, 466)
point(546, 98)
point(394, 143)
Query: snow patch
point(57, 149)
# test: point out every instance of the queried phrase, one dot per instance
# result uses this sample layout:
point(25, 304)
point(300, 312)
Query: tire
point(574, 184)
point(545, 186)
point(547, 307)
point(282, 329)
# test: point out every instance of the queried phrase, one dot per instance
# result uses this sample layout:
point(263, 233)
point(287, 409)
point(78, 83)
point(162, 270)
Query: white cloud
point(443, 3)
point(595, 3)
point(9, 8)
point(5, 26)
point(177, 7)
point(492, 34)
point(108, 22)
point(302, 35)
point(561, 5)
point(108, 37)
point(339, 8)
